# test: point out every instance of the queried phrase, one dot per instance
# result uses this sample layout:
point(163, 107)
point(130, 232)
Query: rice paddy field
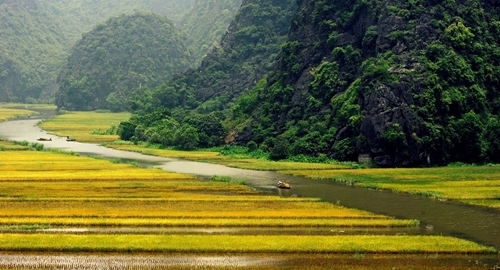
point(7, 112)
point(91, 127)
point(64, 211)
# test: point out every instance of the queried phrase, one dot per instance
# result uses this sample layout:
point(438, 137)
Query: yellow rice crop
point(81, 125)
point(153, 208)
point(239, 243)
point(132, 174)
point(50, 166)
point(191, 155)
point(207, 222)
point(215, 157)
point(91, 192)
point(6, 114)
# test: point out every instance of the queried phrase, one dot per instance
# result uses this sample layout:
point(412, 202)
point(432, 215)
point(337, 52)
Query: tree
point(126, 130)
point(210, 129)
point(280, 150)
point(186, 137)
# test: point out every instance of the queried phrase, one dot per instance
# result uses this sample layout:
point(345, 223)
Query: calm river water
point(447, 218)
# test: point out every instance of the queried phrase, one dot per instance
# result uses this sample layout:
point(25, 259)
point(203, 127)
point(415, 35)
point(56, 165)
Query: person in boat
point(281, 184)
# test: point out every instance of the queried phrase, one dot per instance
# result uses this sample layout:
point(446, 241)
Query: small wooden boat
point(68, 139)
point(44, 139)
point(283, 185)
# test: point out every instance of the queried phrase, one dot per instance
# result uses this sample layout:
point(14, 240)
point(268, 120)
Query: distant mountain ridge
point(205, 22)
point(119, 56)
point(36, 37)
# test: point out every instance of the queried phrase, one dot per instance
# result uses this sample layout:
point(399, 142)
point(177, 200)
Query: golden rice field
point(6, 114)
point(476, 185)
point(43, 191)
point(14, 110)
point(238, 243)
point(48, 199)
point(85, 126)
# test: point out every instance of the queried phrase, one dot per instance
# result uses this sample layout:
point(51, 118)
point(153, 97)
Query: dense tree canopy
point(234, 66)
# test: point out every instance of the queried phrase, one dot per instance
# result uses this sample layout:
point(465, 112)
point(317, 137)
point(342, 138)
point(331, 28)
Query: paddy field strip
point(238, 244)
point(50, 190)
point(85, 126)
point(6, 114)
point(476, 185)
point(15, 110)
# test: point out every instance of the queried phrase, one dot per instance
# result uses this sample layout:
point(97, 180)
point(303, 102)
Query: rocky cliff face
point(394, 82)
point(238, 60)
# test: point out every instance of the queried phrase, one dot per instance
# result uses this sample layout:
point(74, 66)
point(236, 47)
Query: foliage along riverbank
point(471, 184)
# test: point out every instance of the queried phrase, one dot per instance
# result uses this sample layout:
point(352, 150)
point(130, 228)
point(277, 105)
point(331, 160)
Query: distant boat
point(44, 139)
point(68, 139)
point(283, 185)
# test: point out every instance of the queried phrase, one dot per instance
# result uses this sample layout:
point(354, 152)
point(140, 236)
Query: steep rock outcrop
point(401, 83)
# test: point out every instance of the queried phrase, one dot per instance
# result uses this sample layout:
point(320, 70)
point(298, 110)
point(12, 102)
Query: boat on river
point(44, 139)
point(283, 185)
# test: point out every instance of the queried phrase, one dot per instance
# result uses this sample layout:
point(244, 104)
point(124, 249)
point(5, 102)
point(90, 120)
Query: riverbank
point(470, 184)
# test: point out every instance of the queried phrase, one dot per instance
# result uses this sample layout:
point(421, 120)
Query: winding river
point(447, 218)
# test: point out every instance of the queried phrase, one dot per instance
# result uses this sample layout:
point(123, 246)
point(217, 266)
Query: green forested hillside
point(125, 53)
point(401, 83)
point(396, 83)
point(31, 49)
point(236, 64)
point(205, 23)
point(243, 55)
point(35, 38)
